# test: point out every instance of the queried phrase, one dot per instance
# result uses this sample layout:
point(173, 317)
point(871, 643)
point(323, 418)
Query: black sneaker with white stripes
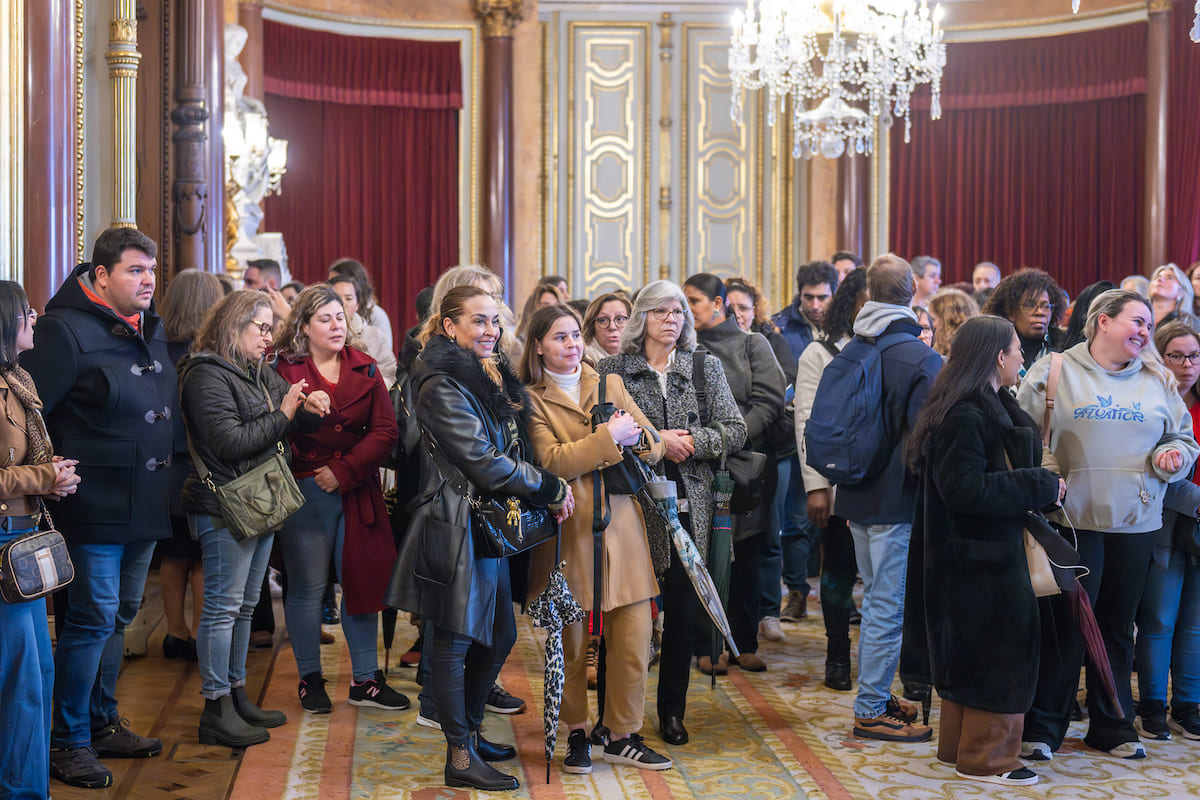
point(632, 750)
point(376, 693)
point(579, 754)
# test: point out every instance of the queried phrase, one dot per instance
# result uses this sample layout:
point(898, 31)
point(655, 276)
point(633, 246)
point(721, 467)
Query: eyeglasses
point(1178, 358)
point(265, 328)
point(30, 315)
point(611, 322)
point(664, 314)
point(1038, 308)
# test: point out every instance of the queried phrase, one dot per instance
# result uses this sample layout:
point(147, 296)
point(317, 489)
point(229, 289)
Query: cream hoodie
point(1105, 431)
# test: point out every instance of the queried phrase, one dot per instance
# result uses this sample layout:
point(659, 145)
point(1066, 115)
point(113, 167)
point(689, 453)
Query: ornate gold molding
point(123, 59)
point(12, 156)
point(1158, 6)
point(80, 230)
point(499, 17)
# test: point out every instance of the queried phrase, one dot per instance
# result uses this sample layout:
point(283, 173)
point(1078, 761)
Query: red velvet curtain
point(1037, 160)
point(372, 130)
point(1183, 142)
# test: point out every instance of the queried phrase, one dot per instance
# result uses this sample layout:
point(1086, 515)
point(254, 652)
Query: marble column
point(50, 225)
point(1158, 68)
point(498, 18)
point(853, 185)
point(123, 59)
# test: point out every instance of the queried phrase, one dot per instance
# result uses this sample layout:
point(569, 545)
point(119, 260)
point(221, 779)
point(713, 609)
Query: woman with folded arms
point(562, 390)
point(26, 660)
point(344, 522)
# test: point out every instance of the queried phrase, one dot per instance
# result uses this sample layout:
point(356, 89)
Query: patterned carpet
point(780, 733)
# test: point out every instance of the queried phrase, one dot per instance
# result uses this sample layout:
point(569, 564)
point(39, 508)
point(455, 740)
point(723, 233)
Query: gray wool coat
point(679, 410)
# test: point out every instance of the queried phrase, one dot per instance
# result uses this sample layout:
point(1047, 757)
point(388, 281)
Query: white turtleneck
point(568, 383)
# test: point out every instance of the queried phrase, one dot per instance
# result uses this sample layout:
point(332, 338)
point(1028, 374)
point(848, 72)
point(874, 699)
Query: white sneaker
point(1017, 777)
point(770, 630)
point(1036, 751)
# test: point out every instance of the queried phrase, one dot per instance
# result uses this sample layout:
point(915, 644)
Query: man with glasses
point(108, 389)
point(1031, 300)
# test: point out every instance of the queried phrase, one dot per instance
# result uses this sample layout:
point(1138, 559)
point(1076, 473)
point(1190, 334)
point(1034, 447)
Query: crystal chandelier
point(1195, 33)
point(845, 63)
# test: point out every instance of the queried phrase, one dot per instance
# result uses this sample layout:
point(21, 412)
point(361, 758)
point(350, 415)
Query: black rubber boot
point(837, 665)
point(253, 714)
point(220, 724)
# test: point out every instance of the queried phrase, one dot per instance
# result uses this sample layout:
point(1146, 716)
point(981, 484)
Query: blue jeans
point(1168, 623)
point(797, 533)
point(233, 578)
point(310, 540)
point(26, 683)
point(882, 554)
point(771, 561)
point(105, 596)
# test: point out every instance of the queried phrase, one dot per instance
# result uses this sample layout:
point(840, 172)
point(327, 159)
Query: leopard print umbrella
point(554, 609)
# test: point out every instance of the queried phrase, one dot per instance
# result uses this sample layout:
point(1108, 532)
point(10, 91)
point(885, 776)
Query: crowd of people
point(993, 403)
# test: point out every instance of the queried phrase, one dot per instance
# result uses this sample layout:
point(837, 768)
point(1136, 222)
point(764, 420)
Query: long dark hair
point(543, 320)
point(839, 317)
point(708, 285)
point(14, 308)
point(967, 375)
point(1079, 312)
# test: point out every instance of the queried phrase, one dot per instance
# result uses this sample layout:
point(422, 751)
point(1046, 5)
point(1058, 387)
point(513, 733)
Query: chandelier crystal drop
point(844, 63)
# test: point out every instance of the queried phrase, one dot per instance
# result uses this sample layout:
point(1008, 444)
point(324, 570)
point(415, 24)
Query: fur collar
point(443, 356)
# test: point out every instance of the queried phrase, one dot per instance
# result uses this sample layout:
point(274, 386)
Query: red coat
point(356, 436)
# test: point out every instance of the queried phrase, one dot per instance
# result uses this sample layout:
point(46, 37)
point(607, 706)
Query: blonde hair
point(473, 275)
point(1111, 304)
point(952, 307)
point(221, 331)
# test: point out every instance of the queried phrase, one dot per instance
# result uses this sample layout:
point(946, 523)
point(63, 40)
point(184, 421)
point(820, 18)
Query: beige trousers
point(627, 654)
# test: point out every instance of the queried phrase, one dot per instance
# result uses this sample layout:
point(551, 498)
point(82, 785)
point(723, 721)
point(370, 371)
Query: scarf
point(21, 384)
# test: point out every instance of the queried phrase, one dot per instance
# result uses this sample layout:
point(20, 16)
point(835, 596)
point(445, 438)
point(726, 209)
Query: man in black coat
point(108, 388)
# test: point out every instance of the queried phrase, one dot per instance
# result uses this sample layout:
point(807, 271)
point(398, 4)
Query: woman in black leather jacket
point(472, 408)
point(223, 393)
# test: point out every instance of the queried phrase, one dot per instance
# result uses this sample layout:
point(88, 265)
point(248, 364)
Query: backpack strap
point(830, 346)
point(1052, 377)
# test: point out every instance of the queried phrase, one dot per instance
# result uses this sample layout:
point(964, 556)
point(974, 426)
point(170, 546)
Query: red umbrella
point(1081, 605)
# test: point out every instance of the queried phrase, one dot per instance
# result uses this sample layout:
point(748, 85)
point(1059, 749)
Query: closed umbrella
point(720, 543)
point(554, 609)
point(666, 504)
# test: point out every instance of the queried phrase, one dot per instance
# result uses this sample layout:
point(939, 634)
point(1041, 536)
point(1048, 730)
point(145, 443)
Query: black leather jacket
point(229, 423)
point(474, 424)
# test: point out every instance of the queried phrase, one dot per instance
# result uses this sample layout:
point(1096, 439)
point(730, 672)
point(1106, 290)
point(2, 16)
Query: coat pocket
point(444, 551)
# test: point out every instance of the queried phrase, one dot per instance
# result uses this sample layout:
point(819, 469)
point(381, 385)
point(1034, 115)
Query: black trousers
point(462, 671)
point(838, 573)
point(1119, 563)
point(685, 617)
point(745, 591)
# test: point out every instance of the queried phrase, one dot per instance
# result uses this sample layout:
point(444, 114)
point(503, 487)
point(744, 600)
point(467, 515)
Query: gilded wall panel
point(607, 218)
point(722, 164)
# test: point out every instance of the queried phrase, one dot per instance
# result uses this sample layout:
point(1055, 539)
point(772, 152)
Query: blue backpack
point(846, 437)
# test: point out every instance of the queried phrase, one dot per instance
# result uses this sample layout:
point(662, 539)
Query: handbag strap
point(601, 516)
point(700, 383)
point(201, 468)
point(1056, 363)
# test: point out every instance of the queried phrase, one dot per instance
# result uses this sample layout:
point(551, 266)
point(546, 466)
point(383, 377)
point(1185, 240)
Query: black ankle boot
point(492, 751)
point(253, 714)
point(220, 724)
point(466, 769)
point(837, 665)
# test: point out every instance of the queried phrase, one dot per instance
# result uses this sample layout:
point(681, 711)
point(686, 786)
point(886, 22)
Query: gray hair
point(1187, 298)
point(653, 295)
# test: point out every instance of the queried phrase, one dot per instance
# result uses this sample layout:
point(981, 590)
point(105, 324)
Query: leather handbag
point(259, 500)
point(501, 525)
point(34, 565)
point(630, 475)
point(745, 466)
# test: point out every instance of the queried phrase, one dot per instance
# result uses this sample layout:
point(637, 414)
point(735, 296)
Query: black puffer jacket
point(229, 423)
point(474, 423)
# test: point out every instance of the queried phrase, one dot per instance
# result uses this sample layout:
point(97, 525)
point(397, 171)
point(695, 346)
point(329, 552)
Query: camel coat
point(564, 443)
